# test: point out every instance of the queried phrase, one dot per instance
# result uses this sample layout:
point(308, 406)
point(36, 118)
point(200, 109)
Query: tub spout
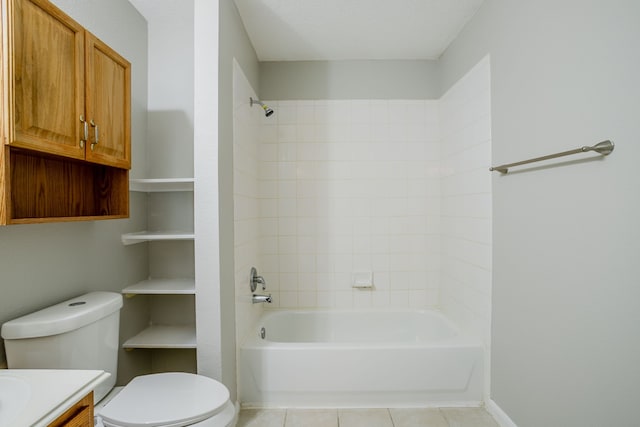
point(261, 298)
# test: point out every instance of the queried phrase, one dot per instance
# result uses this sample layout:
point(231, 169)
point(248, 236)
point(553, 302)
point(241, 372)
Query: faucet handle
point(254, 280)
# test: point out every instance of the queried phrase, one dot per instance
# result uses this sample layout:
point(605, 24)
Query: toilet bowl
point(82, 333)
point(169, 399)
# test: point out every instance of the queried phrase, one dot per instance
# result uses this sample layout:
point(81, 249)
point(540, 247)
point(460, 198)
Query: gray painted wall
point(566, 300)
point(233, 43)
point(411, 79)
point(170, 103)
point(43, 264)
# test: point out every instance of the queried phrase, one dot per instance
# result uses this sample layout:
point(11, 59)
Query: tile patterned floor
point(432, 417)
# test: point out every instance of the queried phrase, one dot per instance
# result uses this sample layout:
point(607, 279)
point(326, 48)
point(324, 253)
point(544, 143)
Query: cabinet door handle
point(96, 139)
point(85, 127)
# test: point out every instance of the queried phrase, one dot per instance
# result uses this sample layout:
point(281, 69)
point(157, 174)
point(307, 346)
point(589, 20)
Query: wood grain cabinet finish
point(69, 91)
point(79, 415)
point(66, 119)
point(45, 78)
point(108, 89)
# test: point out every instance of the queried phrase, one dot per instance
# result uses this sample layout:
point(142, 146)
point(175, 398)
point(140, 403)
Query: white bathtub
point(359, 359)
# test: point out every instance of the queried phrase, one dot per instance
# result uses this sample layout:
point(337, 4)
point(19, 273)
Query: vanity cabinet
point(66, 119)
point(79, 415)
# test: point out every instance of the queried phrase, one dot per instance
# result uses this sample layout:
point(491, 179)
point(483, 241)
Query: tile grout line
point(442, 415)
point(448, 422)
point(393, 424)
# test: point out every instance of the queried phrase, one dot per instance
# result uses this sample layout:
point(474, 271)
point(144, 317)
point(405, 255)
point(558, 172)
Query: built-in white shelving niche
point(163, 336)
point(172, 322)
point(159, 185)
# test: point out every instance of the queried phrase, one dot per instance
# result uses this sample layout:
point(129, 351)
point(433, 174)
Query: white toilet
point(82, 333)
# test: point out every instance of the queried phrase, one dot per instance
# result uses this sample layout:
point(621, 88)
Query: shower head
point(267, 111)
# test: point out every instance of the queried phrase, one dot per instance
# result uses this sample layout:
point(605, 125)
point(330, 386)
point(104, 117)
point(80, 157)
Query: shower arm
point(267, 111)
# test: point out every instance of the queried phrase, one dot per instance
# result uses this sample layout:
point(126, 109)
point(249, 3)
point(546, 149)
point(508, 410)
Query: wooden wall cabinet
point(66, 119)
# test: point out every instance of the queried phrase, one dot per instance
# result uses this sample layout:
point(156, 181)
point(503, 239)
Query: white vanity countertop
point(52, 392)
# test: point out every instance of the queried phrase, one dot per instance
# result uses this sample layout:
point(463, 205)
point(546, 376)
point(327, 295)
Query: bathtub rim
point(460, 338)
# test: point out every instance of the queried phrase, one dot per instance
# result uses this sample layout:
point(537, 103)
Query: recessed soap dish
point(362, 279)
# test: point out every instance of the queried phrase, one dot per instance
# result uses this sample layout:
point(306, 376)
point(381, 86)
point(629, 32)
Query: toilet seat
point(172, 399)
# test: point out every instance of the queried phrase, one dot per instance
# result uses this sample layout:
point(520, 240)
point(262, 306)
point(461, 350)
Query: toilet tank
point(81, 333)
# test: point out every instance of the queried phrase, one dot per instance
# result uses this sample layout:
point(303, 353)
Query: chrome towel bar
point(604, 148)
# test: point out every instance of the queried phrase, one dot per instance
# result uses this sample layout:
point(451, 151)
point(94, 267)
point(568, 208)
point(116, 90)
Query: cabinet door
point(46, 75)
point(108, 103)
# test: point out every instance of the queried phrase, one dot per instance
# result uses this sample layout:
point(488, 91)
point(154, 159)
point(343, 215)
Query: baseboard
point(500, 416)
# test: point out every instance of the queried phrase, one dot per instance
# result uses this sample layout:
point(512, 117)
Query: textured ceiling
point(296, 30)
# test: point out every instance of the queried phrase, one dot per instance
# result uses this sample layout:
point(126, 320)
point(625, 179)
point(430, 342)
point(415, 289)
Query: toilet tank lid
point(63, 317)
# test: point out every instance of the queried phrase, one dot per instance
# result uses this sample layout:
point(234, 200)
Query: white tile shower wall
point(350, 186)
point(246, 147)
point(465, 114)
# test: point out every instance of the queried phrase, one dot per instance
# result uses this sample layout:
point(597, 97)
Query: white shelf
point(148, 236)
point(161, 336)
point(162, 287)
point(161, 185)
